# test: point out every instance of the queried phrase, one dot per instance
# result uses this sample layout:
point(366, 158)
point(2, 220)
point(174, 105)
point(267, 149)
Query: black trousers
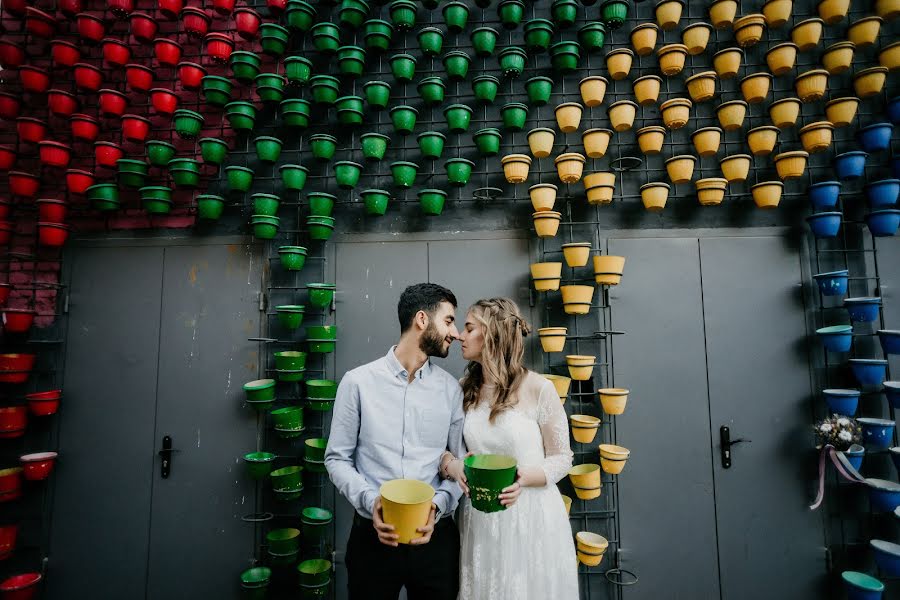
point(378, 572)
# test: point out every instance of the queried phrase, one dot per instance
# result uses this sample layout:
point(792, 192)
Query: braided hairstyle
point(504, 330)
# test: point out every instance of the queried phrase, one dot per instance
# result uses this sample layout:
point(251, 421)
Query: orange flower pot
point(748, 30)
point(621, 114)
point(676, 112)
point(811, 85)
point(869, 82)
point(543, 196)
point(540, 141)
point(784, 112)
point(833, 11)
point(864, 32)
point(569, 166)
point(767, 194)
point(727, 62)
point(650, 139)
point(568, 116)
point(546, 222)
point(593, 90)
point(731, 114)
point(816, 137)
point(643, 38)
point(707, 140)
point(889, 57)
point(596, 142)
point(576, 253)
point(608, 269)
point(755, 88)
point(791, 165)
point(736, 167)
point(515, 167)
point(837, 57)
point(654, 195)
point(781, 58)
point(680, 168)
point(841, 111)
point(671, 58)
point(722, 12)
point(702, 86)
point(777, 12)
point(696, 37)
point(646, 89)
point(711, 191)
point(806, 34)
point(618, 63)
point(668, 14)
point(762, 140)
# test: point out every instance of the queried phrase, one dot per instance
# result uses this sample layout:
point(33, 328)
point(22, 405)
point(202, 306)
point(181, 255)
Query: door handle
point(166, 455)
point(725, 444)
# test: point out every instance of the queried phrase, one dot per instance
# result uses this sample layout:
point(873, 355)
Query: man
point(393, 418)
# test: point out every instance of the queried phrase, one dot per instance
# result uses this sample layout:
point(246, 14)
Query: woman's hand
point(510, 494)
point(457, 471)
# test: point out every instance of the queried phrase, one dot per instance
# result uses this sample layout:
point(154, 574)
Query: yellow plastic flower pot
point(889, 57)
point(680, 168)
point(869, 82)
point(560, 383)
point(577, 298)
point(646, 89)
point(586, 481)
point(727, 62)
point(596, 142)
point(650, 139)
point(608, 269)
point(781, 58)
point(668, 13)
point(612, 458)
point(756, 87)
point(671, 58)
point(806, 34)
point(811, 85)
point(707, 140)
point(817, 136)
point(711, 190)
point(702, 86)
point(581, 367)
point(543, 196)
point(590, 548)
point(837, 57)
point(599, 178)
point(777, 12)
point(406, 504)
point(833, 11)
point(864, 32)
point(593, 90)
point(540, 142)
point(841, 111)
point(643, 38)
point(784, 112)
point(546, 276)
point(553, 339)
point(767, 194)
point(887, 9)
point(613, 400)
point(791, 165)
point(722, 12)
point(654, 195)
point(546, 222)
point(600, 194)
point(621, 114)
point(584, 428)
point(569, 166)
point(618, 63)
point(576, 253)
point(696, 37)
point(567, 502)
point(748, 29)
point(515, 167)
point(568, 116)
point(762, 140)
point(676, 112)
point(736, 167)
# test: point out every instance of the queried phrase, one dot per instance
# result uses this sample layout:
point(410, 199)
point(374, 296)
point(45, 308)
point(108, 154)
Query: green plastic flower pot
point(375, 201)
point(512, 61)
point(538, 35)
point(404, 173)
point(487, 475)
point(377, 35)
point(511, 13)
point(351, 60)
point(485, 88)
point(293, 177)
point(374, 145)
point(273, 38)
point(297, 70)
point(241, 115)
point(321, 338)
point(321, 389)
point(265, 227)
point(239, 178)
point(286, 478)
point(403, 66)
point(431, 41)
point(349, 110)
point(377, 93)
point(295, 112)
point(456, 63)
point(293, 258)
point(324, 89)
point(286, 540)
point(265, 204)
point(290, 417)
point(299, 15)
point(431, 90)
point(404, 119)
point(403, 14)
point(270, 87)
point(565, 56)
point(290, 360)
point(259, 465)
point(488, 141)
point(315, 572)
point(321, 295)
point(156, 199)
point(323, 145)
point(539, 90)
point(132, 173)
point(320, 204)
point(431, 144)
point(131, 180)
point(456, 15)
point(185, 172)
point(268, 148)
point(592, 36)
point(614, 13)
point(458, 171)
point(320, 228)
point(326, 37)
point(216, 90)
point(346, 173)
point(314, 522)
point(484, 39)
point(564, 12)
point(290, 316)
point(288, 496)
point(458, 117)
point(288, 423)
point(260, 389)
point(432, 201)
point(159, 153)
point(213, 150)
point(210, 206)
point(353, 13)
point(103, 196)
point(244, 65)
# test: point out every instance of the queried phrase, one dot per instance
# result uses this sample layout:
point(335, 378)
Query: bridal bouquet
point(839, 431)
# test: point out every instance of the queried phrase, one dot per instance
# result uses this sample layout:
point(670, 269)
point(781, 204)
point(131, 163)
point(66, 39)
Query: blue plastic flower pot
point(892, 391)
point(837, 338)
point(890, 340)
point(869, 371)
point(842, 402)
point(882, 194)
point(883, 223)
point(833, 283)
point(862, 310)
point(887, 557)
point(850, 165)
point(854, 455)
point(860, 586)
point(825, 224)
point(884, 496)
point(824, 195)
point(878, 433)
point(893, 110)
point(875, 137)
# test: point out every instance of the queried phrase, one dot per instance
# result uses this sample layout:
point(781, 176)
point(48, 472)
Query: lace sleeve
point(554, 426)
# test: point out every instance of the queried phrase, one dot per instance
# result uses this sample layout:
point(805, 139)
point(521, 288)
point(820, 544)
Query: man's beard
point(432, 344)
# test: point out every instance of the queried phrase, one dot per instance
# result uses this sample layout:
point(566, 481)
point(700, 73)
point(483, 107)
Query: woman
point(526, 551)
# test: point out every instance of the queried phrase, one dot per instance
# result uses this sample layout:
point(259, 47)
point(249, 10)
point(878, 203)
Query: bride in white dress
point(526, 551)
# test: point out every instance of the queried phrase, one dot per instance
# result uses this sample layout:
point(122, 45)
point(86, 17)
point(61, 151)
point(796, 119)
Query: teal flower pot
point(456, 15)
point(377, 94)
point(539, 90)
point(458, 117)
point(512, 61)
point(292, 258)
point(431, 144)
point(350, 110)
point(297, 70)
point(403, 67)
point(431, 90)
point(614, 13)
point(159, 153)
point(264, 227)
point(485, 88)
point(538, 35)
point(273, 38)
point(458, 171)
point(244, 65)
point(295, 113)
point(376, 201)
point(103, 196)
point(484, 40)
point(293, 177)
point(156, 199)
point(324, 89)
point(487, 141)
point(320, 204)
point(377, 35)
point(514, 115)
point(216, 90)
point(511, 13)
point(351, 60)
point(326, 37)
point(213, 150)
point(374, 145)
point(265, 204)
point(431, 41)
point(210, 206)
point(564, 12)
point(320, 228)
point(564, 56)
point(321, 295)
point(185, 172)
point(404, 119)
point(404, 173)
point(403, 14)
point(239, 178)
point(241, 115)
point(320, 339)
point(432, 201)
point(456, 64)
point(290, 316)
point(592, 36)
point(347, 174)
point(268, 148)
point(323, 146)
point(299, 15)
point(353, 13)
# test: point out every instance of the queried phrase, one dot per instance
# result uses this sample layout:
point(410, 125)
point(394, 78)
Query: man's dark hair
point(421, 296)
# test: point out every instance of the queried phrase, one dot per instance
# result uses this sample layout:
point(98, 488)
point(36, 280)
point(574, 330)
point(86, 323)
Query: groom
point(393, 418)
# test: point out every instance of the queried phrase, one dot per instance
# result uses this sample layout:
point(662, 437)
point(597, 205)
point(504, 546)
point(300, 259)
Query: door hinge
point(65, 308)
point(261, 297)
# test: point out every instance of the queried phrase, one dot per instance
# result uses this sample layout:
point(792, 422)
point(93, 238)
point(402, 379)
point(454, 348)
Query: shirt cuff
point(441, 500)
point(369, 502)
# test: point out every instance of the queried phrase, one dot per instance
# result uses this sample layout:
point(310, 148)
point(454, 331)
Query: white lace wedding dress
point(525, 552)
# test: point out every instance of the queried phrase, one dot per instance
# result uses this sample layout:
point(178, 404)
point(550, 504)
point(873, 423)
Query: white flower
point(825, 427)
point(843, 422)
point(845, 436)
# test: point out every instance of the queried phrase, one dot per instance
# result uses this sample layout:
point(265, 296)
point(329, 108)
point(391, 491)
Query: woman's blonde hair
point(504, 334)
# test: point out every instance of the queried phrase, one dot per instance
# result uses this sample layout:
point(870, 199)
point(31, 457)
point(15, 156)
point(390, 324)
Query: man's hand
point(385, 532)
point(426, 531)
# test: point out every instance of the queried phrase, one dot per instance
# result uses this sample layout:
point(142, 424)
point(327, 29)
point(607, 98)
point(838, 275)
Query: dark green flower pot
point(353, 13)
point(290, 316)
point(404, 119)
point(295, 112)
point(456, 15)
point(349, 110)
point(488, 141)
point(514, 115)
point(565, 56)
point(320, 204)
point(297, 69)
point(431, 41)
point(321, 389)
point(292, 259)
point(286, 478)
point(103, 196)
point(320, 294)
point(213, 150)
point(320, 228)
point(323, 146)
point(156, 199)
point(374, 145)
point(265, 204)
point(321, 339)
point(376, 201)
point(347, 174)
point(239, 178)
point(564, 12)
point(259, 465)
point(431, 90)
point(132, 173)
point(539, 90)
point(299, 15)
point(377, 35)
point(216, 90)
point(432, 201)
point(458, 117)
point(159, 153)
point(351, 60)
point(326, 37)
point(377, 93)
point(403, 14)
point(315, 523)
point(324, 89)
point(241, 115)
point(268, 148)
point(614, 13)
point(273, 38)
point(404, 173)
point(290, 370)
point(458, 171)
point(264, 227)
point(511, 13)
point(485, 88)
point(270, 87)
point(484, 39)
point(431, 144)
point(403, 66)
point(289, 418)
point(592, 36)
point(456, 63)
point(538, 35)
point(512, 61)
point(185, 172)
point(244, 65)
point(210, 206)
point(293, 177)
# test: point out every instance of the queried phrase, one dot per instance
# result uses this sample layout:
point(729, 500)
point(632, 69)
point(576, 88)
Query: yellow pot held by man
point(405, 505)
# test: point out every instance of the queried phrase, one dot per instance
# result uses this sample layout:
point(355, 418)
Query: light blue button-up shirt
point(384, 427)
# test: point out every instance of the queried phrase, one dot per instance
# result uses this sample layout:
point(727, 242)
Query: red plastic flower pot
point(10, 489)
point(12, 422)
point(31, 130)
point(54, 154)
point(143, 27)
point(113, 103)
point(37, 466)
point(8, 535)
point(139, 78)
point(24, 184)
point(15, 368)
point(5, 209)
point(62, 104)
point(121, 8)
point(43, 404)
point(63, 53)
point(39, 24)
point(195, 21)
point(116, 52)
point(171, 8)
point(6, 231)
point(34, 79)
point(164, 101)
point(17, 320)
point(71, 8)
point(190, 74)
point(7, 157)
point(20, 587)
point(12, 55)
point(223, 7)
point(10, 105)
point(15, 7)
point(168, 52)
point(246, 21)
point(219, 47)
point(135, 128)
point(51, 210)
point(90, 28)
point(53, 235)
point(88, 77)
point(107, 153)
point(5, 288)
point(276, 6)
point(84, 127)
point(78, 181)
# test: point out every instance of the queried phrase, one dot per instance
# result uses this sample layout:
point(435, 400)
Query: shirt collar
point(398, 370)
